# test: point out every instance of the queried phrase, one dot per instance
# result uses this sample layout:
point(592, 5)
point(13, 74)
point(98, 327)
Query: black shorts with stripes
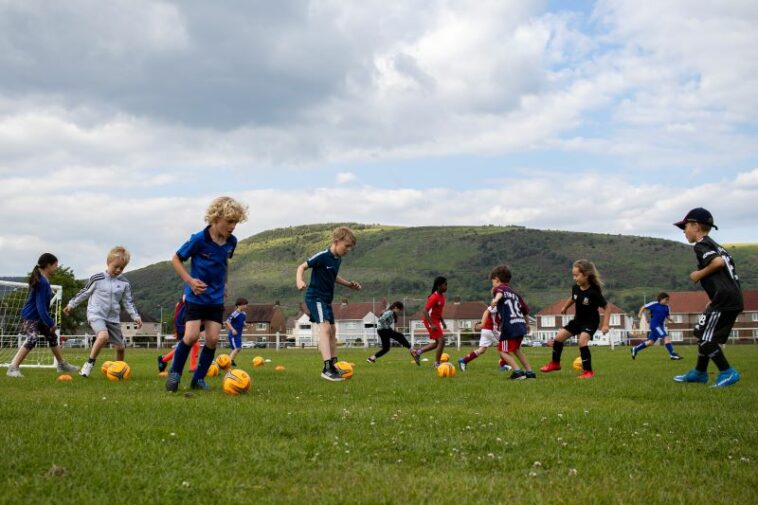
point(715, 325)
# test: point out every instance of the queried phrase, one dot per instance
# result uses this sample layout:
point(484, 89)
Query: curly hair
point(225, 207)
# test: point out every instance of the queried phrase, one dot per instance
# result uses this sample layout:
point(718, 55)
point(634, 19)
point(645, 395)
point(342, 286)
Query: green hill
point(395, 262)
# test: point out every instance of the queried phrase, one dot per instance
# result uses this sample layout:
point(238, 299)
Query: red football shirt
point(434, 307)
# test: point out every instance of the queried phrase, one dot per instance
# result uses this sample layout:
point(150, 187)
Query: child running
point(107, 292)
point(36, 318)
point(385, 328)
point(179, 325)
point(717, 275)
point(434, 323)
point(659, 314)
point(318, 297)
point(489, 328)
point(210, 250)
point(235, 323)
point(512, 312)
point(587, 294)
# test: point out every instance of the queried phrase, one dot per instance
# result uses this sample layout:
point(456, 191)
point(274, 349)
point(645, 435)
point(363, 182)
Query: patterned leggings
point(35, 329)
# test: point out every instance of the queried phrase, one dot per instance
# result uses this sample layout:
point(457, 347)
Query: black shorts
point(197, 312)
point(715, 326)
point(576, 327)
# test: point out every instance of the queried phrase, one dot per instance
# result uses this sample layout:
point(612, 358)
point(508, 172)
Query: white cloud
point(345, 177)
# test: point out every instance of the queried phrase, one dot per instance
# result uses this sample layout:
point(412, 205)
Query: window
point(734, 334)
point(615, 320)
point(676, 336)
point(261, 326)
point(755, 333)
point(418, 324)
point(565, 319)
point(548, 321)
point(351, 325)
point(369, 325)
point(677, 318)
point(465, 325)
point(304, 326)
point(754, 316)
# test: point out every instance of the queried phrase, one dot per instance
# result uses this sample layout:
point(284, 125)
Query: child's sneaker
point(727, 378)
point(462, 364)
point(693, 376)
point(416, 357)
point(587, 374)
point(161, 365)
point(172, 383)
point(65, 366)
point(14, 372)
point(505, 368)
point(199, 384)
point(518, 375)
point(634, 353)
point(551, 367)
point(332, 375)
point(86, 369)
point(675, 357)
point(531, 375)
point(371, 359)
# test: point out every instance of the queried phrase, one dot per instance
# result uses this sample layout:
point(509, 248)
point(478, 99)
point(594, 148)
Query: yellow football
point(445, 370)
point(258, 361)
point(118, 371)
point(445, 357)
point(346, 370)
point(577, 364)
point(224, 361)
point(105, 366)
point(212, 370)
point(236, 382)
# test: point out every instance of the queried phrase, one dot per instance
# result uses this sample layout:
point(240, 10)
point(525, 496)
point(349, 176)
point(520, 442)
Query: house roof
point(555, 308)
point(257, 312)
point(694, 302)
point(458, 311)
point(351, 310)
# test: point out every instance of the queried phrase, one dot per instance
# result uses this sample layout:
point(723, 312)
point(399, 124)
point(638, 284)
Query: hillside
point(394, 262)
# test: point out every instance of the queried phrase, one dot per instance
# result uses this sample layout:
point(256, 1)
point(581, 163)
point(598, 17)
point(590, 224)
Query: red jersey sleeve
point(431, 301)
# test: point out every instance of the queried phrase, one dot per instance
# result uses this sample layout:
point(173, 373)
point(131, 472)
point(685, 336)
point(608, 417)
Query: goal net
point(13, 296)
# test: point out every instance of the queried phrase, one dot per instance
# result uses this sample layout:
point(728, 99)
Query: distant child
point(717, 276)
point(385, 328)
point(235, 323)
point(659, 314)
point(587, 294)
point(179, 325)
point(107, 292)
point(489, 328)
point(36, 318)
point(512, 312)
point(318, 297)
point(434, 323)
point(205, 287)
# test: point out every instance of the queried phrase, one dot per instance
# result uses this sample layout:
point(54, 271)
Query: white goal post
point(13, 296)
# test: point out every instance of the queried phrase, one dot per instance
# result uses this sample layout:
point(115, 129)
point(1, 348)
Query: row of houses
point(356, 321)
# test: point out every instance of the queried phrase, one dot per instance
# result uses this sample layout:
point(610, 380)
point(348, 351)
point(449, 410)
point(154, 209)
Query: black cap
point(698, 215)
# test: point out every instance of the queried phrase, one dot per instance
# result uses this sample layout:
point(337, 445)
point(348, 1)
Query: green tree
point(65, 278)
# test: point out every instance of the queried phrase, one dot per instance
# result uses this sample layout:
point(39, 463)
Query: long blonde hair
point(589, 269)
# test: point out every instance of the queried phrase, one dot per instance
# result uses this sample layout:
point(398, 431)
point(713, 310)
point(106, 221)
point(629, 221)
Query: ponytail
point(395, 305)
point(438, 281)
point(44, 261)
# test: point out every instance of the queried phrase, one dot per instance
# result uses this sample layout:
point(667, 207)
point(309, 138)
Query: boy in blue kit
point(717, 276)
point(318, 297)
point(235, 323)
point(659, 314)
point(210, 251)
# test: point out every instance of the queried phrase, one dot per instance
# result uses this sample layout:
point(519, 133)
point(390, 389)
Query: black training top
point(587, 303)
point(722, 286)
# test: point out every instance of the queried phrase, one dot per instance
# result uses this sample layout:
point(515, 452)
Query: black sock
point(702, 360)
point(714, 352)
point(91, 361)
point(557, 350)
point(586, 358)
point(327, 365)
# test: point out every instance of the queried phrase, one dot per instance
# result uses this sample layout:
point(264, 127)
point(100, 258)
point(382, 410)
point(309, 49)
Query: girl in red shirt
point(434, 322)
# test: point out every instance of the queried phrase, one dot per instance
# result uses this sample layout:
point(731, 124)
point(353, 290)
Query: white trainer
point(67, 367)
point(86, 369)
point(14, 372)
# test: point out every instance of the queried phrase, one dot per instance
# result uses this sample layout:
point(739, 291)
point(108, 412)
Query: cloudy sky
point(121, 120)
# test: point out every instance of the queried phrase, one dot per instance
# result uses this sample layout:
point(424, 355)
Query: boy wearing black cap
point(719, 279)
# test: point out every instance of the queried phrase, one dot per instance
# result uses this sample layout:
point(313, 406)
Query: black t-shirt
point(587, 303)
point(722, 286)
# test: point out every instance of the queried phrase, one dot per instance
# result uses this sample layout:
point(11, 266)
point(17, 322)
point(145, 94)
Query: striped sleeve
point(86, 291)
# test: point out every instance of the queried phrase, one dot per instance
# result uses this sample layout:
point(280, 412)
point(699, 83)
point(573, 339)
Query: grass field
point(395, 433)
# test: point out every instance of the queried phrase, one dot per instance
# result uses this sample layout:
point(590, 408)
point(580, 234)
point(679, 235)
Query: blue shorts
point(235, 341)
point(656, 333)
point(321, 312)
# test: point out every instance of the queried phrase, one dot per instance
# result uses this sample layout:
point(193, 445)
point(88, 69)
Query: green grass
point(395, 433)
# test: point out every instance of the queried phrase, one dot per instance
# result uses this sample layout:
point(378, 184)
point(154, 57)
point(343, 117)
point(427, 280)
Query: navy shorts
point(576, 327)
point(197, 312)
point(321, 312)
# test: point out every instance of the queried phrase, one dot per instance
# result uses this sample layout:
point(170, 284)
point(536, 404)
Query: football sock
point(206, 358)
point(168, 356)
point(639, 347)
point(557, 351)
point(327, 365)
point(91, 361)
point(586, 358)
point(470, 356)
point(702, 360)
point(670, 348)
point(180, 357)
point(714, 352)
